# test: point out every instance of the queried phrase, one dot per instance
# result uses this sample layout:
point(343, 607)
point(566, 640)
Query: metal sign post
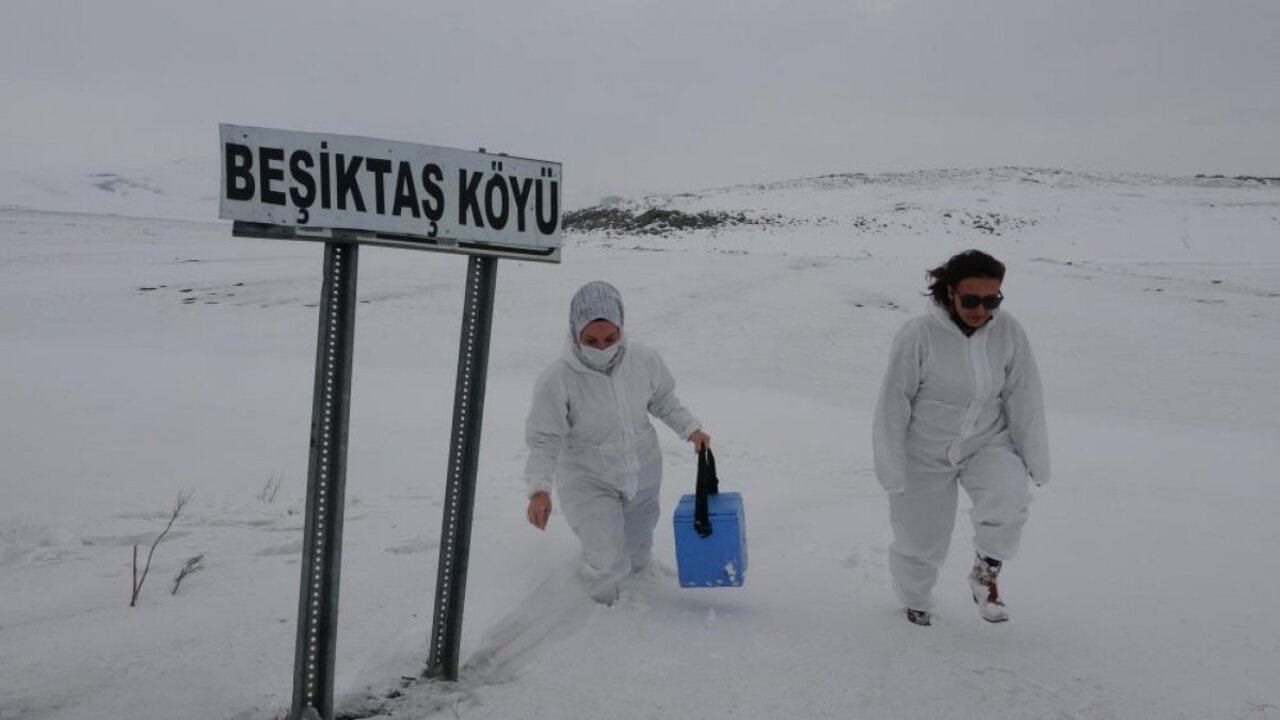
point(326, 486)
point(464, 456)
point(347, 191)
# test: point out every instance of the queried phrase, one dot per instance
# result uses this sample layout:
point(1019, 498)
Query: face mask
point(597, 359)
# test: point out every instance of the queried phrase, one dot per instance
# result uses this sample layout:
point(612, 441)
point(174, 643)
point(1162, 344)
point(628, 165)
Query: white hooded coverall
point(589, 431)
point(957, 410)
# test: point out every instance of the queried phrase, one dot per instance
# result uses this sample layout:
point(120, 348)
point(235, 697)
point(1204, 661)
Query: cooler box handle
point(708, 484)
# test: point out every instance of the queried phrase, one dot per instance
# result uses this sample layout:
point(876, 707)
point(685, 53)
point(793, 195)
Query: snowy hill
point(1057, 214)
point(185, 189)
point(148, 353)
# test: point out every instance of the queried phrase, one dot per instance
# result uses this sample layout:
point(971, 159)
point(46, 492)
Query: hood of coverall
point(596, 300)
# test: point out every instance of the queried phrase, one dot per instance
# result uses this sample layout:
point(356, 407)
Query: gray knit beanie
point(597, 300)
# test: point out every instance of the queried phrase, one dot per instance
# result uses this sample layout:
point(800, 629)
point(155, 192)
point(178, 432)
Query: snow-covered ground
point(143, 358)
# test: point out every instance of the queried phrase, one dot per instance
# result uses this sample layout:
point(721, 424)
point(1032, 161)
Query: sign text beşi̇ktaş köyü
point(282, 177)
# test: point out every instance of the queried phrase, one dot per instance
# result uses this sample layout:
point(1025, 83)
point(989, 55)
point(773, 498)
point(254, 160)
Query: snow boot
point(605, 592)
point(982, 582)
point(919, 617)
point(650, 568)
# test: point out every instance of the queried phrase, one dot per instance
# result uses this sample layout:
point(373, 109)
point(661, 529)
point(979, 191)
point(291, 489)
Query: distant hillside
point(185, 189)
point(1033, 212)
point(762, 204)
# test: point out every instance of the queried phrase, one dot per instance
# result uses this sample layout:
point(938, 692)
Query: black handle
point(708, 484)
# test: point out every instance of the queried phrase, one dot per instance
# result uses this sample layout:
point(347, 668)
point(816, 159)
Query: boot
point(982, 582)
point(919, 617)
point(605, 593)
point(650, 568)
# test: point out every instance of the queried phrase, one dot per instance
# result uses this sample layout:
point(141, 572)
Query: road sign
point(347, 191)
point(344, 188)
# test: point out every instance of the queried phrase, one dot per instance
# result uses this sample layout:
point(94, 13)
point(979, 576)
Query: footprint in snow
point(293, 547)
point(143, 538)
point(415, 545)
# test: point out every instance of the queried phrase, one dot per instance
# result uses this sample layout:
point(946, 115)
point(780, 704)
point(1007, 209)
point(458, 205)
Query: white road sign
point(321, 181)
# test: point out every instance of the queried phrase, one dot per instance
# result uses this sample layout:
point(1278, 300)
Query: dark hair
point(968, 264)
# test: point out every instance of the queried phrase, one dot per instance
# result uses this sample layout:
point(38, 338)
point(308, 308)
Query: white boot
point(982, 581)
point(599, 586)
point(604, 592)
point(649, 567)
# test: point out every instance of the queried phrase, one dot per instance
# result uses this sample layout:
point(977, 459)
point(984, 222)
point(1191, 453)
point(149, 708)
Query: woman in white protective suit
point(589, 434)
point(961, 406)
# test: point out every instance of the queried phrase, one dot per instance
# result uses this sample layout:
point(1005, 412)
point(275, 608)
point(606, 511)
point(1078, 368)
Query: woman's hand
point(701, 441)
point(539, 510)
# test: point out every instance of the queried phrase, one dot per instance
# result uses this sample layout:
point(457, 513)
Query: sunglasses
point(990, 302)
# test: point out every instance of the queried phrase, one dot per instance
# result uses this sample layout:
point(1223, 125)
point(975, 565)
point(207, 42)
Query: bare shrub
point(193, 564)
point(271, 488)
point(173, 517)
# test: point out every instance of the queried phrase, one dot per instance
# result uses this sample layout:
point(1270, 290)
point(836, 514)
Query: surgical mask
point(598, 359)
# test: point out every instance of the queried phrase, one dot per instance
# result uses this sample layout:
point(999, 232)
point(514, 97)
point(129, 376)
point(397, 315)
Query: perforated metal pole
point(464, 453)
point(326, 483)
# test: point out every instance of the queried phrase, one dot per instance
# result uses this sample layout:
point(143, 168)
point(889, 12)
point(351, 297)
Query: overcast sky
point(636, 97)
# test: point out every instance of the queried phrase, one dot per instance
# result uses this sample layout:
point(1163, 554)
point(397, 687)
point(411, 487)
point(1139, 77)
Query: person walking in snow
point(961, 406)
point(589, 434)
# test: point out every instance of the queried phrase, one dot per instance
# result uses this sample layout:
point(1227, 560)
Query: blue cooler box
point(720, 559)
